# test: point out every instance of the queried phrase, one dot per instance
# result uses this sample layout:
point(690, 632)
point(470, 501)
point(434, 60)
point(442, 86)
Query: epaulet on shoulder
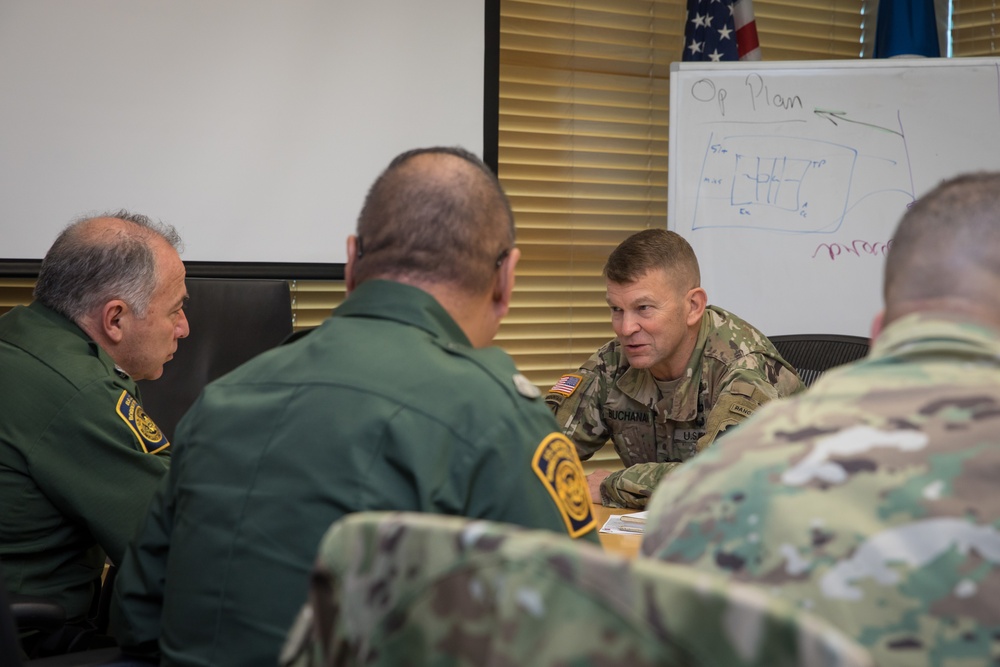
point(525, 387)
point(297, 335)
point(497, 364)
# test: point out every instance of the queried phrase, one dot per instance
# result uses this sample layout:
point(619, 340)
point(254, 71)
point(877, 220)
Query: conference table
point(623, 545)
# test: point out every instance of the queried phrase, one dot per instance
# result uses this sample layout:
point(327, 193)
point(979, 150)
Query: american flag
point(720, 30)
point(567, 385)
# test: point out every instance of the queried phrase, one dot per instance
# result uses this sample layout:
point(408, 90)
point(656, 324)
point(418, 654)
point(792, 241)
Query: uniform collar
point(639, 385)
point(923, 333)
point(45, 331)
point(390, 300)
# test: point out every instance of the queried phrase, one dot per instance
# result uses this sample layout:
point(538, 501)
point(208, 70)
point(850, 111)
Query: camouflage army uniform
point(416, 589)
point(871, 499)
point(732, 371)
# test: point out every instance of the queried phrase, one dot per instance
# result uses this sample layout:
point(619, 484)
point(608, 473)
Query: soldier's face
point(656, 322)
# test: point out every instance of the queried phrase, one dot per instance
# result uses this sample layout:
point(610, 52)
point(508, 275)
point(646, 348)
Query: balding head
point(945, 253)
point(94, 260)
point(435, 216)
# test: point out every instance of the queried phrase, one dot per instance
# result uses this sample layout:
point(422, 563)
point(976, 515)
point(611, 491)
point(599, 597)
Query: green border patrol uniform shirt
point(77, 464)
point(655, 426)
point(385, 406)
point(870, 500)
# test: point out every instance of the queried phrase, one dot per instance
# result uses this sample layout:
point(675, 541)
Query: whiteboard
point(789, 178)
point(250, 125)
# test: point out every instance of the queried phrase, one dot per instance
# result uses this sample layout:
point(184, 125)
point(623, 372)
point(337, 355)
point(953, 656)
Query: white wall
point(248, 124)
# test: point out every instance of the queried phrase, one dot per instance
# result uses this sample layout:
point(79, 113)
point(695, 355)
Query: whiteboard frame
point(740, 293)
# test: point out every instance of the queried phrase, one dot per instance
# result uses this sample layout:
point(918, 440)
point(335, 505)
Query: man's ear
point(697, 300)
point(878, 323)
point(352, 257)
point(112, 317)
point(503, 286)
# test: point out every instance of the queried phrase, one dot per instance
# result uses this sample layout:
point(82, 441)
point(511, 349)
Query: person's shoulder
point(727, 324)
point(730, 337)
point(37, 351)
point(499, 371)
point(608, 360)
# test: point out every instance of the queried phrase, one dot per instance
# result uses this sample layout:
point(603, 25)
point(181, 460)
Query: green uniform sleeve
point(527, 474)
point(137, 607)
point(93, 465)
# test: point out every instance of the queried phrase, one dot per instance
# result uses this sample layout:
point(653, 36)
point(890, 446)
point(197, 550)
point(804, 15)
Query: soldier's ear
point(353, 252)
point(503, 284)
point(697, 301)
point(878, 323)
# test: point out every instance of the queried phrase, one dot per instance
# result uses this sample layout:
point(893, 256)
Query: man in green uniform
point(678, 374)
point(395, 402)
point(871, 499)
point(79, 458)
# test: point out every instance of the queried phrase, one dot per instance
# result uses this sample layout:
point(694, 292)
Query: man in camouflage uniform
point(394, 589)
point(678, 374)
point(871, 500)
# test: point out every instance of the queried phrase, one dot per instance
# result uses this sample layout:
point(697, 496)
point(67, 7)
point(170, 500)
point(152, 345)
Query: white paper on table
point(618, 525)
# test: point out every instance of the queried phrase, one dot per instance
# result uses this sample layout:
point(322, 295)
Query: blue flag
point(906, 28)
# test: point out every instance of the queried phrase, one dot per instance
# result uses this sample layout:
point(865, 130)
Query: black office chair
point(45, 620)
point(19, 613)
point(231, 320)
point(813, 354)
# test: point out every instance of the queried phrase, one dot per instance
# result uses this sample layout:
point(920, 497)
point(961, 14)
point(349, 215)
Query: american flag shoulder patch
point(567, 385)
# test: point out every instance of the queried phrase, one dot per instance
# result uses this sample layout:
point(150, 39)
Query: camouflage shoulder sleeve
point(738, 400)
point(630, 488)
point(576, 400)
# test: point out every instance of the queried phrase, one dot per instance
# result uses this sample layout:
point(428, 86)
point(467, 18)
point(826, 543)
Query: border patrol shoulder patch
point(150, 437)
point(556, 463)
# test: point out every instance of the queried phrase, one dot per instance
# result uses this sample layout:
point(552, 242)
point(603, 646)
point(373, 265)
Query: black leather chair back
point(231, 320)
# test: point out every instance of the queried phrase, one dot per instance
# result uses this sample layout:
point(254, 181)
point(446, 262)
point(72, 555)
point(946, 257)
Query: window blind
point(15, 292)
point(583, 145)
point(974, 26)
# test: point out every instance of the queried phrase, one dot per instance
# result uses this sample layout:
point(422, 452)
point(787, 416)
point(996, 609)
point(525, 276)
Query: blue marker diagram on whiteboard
point(793, 183)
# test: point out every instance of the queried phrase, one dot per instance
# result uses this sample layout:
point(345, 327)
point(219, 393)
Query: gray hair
point(85, 268)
